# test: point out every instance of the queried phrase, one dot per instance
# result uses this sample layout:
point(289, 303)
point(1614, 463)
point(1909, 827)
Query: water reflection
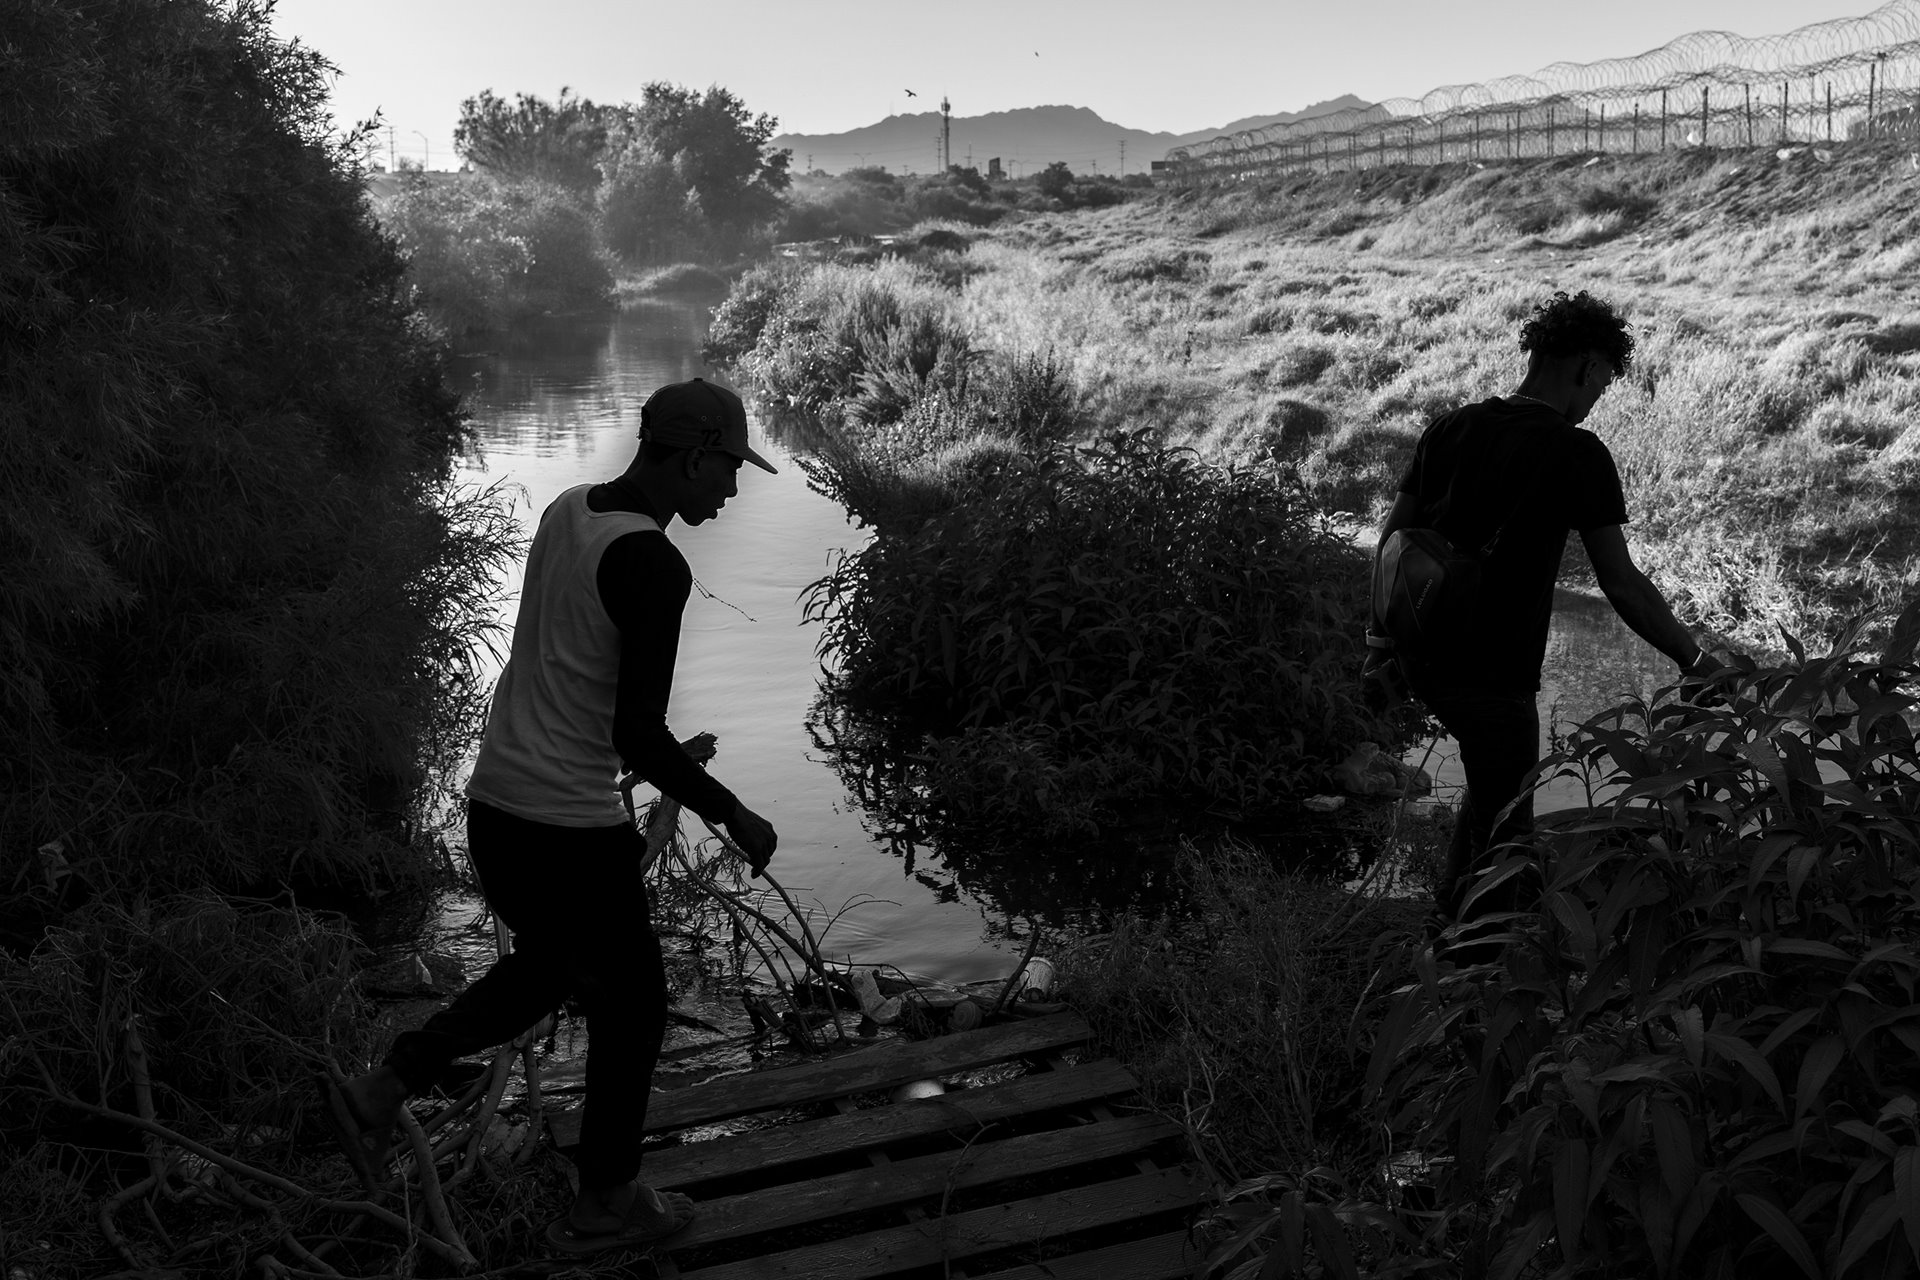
point(1594, 661)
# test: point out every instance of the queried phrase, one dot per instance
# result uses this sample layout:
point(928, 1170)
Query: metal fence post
point(1873, 69)
point(1703, 115)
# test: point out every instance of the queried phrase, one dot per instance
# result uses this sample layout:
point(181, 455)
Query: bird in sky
point(911, 94)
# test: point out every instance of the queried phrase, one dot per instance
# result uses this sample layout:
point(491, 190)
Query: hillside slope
point(1030, 137)
point(1768, 433)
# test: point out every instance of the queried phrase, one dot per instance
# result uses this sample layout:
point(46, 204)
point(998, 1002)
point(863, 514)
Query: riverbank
point(1768, 436)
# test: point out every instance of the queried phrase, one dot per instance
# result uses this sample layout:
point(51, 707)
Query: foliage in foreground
point(1234, 1012)
point(159, 1120)
point(240, 606)
point(1695, 1057)
point(1190, 626)
point(1699, 1055)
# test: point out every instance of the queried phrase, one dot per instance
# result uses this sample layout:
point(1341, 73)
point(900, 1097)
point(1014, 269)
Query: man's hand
point(755, 836)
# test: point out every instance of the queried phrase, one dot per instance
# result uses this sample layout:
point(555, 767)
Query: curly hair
point(1572, 326)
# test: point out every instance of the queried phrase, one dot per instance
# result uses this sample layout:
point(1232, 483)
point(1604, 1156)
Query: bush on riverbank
point(486, 252)
point(1193, 628)
point(238, 634)
point(844, 344)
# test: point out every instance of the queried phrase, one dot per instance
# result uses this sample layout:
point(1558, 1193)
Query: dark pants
point(576, 903)
point(1499, 737)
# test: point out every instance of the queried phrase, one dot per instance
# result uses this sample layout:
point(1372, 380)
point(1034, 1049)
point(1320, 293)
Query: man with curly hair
point(1518, 472)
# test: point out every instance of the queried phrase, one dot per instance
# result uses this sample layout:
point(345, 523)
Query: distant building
point(994, 173)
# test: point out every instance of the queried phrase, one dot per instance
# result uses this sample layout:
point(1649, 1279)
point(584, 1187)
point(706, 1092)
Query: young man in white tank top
point(584, 691)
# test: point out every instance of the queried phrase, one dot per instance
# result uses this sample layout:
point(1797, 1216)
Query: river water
point(557, 403)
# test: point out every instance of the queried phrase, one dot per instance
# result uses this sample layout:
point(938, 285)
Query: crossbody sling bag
point(1425, 592)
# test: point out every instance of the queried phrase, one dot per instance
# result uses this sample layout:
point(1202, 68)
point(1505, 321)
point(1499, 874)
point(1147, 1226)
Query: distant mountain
point(1026, 140)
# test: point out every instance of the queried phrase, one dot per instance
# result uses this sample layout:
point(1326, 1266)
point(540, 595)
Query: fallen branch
point(111, 1205)
point(430, 1191)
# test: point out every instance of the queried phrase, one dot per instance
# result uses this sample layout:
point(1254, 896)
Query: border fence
point(1849, 80)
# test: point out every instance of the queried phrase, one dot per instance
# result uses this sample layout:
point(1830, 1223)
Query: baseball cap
point(697, 414)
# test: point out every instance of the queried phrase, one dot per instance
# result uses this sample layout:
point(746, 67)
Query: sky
point(826, 66)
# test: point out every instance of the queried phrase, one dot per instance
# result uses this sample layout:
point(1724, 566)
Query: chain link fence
point(1844, 82)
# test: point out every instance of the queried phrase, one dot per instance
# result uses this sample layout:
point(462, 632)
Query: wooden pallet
point(1050, 1174)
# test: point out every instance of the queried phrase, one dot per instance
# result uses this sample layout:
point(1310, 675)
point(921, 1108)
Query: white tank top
point(547, 754)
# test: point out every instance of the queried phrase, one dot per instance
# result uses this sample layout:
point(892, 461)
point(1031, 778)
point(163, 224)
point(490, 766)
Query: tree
point(1055, 181)
point(968, 178)
point(233, 632)
point(559, 142)
point(702, 154)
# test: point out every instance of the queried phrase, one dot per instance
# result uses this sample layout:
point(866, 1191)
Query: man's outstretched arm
point(1635, 598)
point(644, 585)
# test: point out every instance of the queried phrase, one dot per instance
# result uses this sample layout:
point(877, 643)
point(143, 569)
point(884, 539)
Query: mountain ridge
point(1026, 139)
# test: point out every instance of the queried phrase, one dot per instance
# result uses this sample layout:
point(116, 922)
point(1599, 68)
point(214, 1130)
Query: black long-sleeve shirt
point(644, 583)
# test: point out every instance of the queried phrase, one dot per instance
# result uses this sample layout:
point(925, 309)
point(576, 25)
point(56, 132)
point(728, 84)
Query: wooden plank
point(964, 1109)
point(1006, 1226)
point(921, 1177)
point(860, 1071)
point(1169, 1257)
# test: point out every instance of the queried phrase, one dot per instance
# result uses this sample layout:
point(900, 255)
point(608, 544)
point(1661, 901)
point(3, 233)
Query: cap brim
point(755, 459)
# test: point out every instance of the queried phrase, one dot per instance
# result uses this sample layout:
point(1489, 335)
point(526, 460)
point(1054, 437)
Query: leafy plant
point(1126, 597)
point(1699, 1055)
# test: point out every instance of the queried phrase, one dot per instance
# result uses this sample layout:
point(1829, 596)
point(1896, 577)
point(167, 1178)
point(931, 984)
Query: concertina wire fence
point(1846, 81)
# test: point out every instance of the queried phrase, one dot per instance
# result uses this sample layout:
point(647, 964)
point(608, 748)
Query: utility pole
point(946, 133)
point(390, 160)
point(1123, 157)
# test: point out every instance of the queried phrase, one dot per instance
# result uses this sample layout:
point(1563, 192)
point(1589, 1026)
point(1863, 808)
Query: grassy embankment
point(1766, 444)
point(1768, 437)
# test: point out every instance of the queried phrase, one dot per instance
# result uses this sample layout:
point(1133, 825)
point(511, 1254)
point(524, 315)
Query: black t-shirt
point(1516, 468)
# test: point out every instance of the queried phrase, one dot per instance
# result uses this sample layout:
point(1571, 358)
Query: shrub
point(845, 343)
point(1150, 263)
point(1698, 1052)
point(1234, 1012)
point(486, 254)
point(238, 630)
point(1125, 598)
point(742, 316)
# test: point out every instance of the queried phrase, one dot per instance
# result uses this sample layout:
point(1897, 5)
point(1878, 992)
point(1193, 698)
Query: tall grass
point(1764, 441)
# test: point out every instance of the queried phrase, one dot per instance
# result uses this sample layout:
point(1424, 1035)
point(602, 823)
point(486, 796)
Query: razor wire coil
point(1844, 81)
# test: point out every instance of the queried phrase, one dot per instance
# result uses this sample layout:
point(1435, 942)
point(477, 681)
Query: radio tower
point(946, 134)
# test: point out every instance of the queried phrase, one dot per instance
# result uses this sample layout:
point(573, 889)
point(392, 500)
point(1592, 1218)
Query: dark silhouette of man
point(1520, 466)
point(586, 688)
